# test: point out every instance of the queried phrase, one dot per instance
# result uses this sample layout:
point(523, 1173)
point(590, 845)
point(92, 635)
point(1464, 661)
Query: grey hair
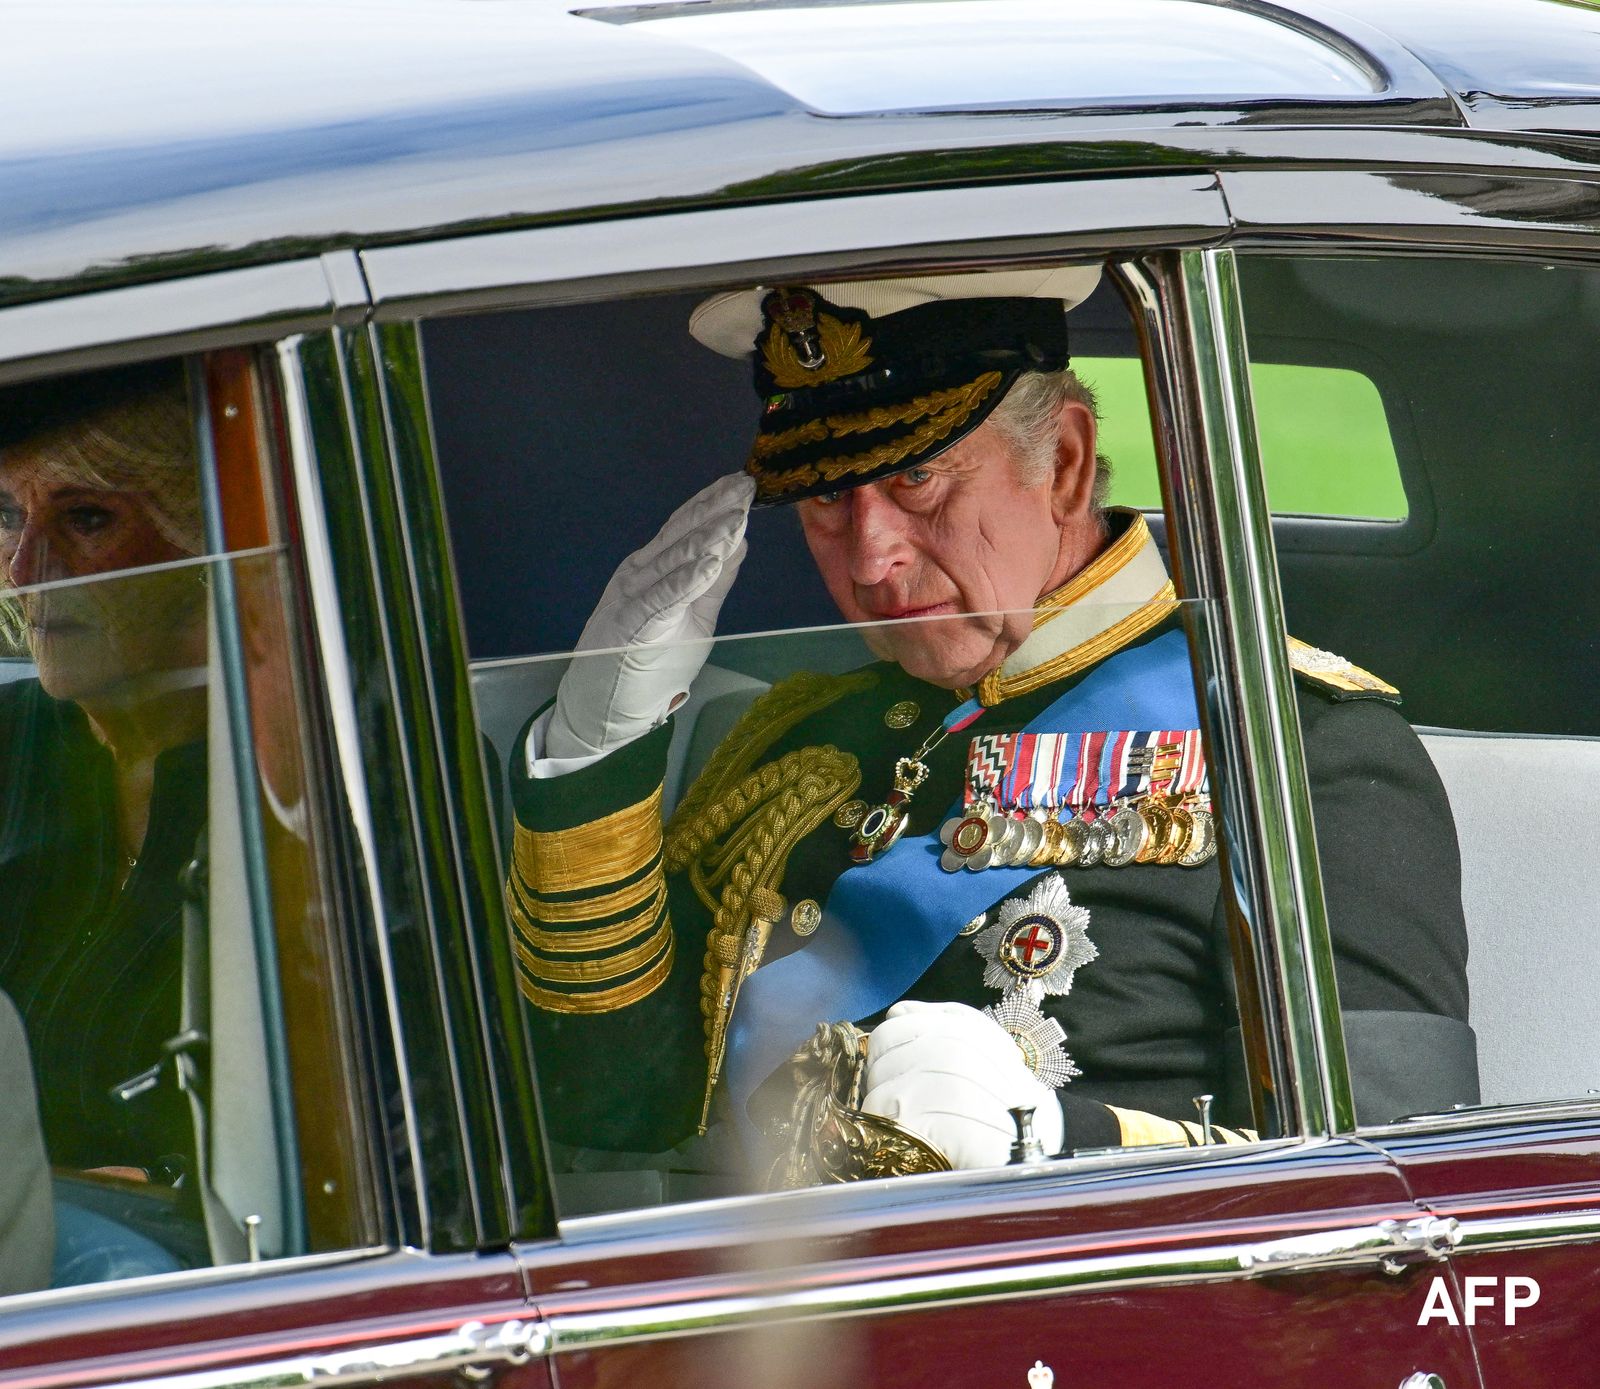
point(1029, 418)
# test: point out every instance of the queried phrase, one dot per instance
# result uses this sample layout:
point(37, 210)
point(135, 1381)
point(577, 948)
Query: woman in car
point(102, 778)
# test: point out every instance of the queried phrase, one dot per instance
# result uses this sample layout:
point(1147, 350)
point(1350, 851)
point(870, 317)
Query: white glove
point(949, 1074)
point(655, 622)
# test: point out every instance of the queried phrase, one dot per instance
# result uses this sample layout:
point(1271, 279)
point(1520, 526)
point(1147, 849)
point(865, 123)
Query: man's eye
point(827, 498)
point(915, 477)
point(86, 520)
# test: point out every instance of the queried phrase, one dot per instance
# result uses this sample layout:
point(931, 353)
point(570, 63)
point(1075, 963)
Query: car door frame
point(435, 1289)
point(1473, 1166)
point(1180, 285)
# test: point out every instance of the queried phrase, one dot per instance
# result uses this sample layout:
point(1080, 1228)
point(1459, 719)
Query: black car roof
point(144, 140)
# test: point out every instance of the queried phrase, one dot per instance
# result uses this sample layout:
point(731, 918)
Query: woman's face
point(91, 639)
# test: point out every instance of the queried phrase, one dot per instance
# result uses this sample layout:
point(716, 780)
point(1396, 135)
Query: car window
point(178, 1086)
point(1324, 436)
point(1479, 633)
point(710, 916)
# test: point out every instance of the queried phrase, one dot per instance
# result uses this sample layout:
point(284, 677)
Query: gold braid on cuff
point(618, 930)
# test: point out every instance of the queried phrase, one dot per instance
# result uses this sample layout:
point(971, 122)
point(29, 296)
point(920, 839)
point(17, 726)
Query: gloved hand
point(661, 609)
point(949, 1074)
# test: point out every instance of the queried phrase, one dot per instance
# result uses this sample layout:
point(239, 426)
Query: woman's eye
point(86, 520)
point(12, 518)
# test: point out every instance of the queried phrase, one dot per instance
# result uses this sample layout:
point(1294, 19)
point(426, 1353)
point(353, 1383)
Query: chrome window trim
point(344, 724)
point(1405, 1236)
point(1484, 1235)
point(196, 1278)
point(1189, 304)
point(1412, 210)
point(225, 309)
point(604, 259)
point(1278, 783)
point(1486, 1116)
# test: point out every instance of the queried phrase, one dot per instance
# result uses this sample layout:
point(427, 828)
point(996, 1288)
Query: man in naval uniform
point(991, 850)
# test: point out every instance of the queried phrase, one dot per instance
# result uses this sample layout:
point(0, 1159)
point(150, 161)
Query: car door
point(1138, 1264)
point(339, 1210)
point(1475, 595)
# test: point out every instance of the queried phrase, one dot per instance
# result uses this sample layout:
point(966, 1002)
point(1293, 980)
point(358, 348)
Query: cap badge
point(806, 346)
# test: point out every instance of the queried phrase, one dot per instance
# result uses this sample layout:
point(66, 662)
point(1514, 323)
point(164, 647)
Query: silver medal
point(1127, 832)
point(1036, 942)
point(1038, 1038)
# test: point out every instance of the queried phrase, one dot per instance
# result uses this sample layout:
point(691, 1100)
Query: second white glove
point(652, 629)
point(950, 1074)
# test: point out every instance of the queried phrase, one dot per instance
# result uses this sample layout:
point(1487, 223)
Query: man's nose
point(878, 543)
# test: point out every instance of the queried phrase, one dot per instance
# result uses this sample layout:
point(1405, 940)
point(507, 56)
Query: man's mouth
point(914, 610)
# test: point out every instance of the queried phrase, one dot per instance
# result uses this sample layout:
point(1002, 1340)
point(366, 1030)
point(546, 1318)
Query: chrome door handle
point(1391, 1243)
point(473, 1351)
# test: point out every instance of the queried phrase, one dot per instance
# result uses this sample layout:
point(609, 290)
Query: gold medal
point(1178, 836)
point(1157, 819)
point(806, 917)
point(903, 714)
point(1049, 843)
point(848, 816)
point(1203, 845)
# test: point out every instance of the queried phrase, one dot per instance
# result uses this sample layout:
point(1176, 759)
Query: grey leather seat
point(1526, 809)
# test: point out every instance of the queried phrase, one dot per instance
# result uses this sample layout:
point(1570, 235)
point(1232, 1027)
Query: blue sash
point(886, 921)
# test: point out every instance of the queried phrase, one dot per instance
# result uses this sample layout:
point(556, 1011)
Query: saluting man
point(992, 850)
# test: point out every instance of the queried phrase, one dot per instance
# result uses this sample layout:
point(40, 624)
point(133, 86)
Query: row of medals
point(1152, 829)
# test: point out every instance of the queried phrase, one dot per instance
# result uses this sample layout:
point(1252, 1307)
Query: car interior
point(1466, 594)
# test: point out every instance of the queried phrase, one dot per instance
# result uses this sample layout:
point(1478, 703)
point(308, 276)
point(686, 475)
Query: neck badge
point(881, 825)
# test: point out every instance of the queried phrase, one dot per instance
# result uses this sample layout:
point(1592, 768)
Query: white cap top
point(728, 322)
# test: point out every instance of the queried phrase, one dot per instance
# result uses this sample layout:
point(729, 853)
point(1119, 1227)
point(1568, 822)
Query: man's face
point(961, 544)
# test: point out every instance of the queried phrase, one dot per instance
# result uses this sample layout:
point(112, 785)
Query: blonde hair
point(142, 443)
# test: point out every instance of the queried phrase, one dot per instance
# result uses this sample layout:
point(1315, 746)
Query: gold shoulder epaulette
point(1336, 676)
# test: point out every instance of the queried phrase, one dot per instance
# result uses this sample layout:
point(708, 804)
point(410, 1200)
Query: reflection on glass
point(821, 848)
point(102, 788)
point(130, 955)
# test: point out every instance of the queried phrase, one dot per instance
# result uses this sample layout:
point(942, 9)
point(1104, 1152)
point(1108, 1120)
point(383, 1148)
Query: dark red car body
point(329, 176)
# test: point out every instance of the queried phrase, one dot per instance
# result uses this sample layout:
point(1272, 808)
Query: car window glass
point(168, 950)
point(1325, 442)
point(566, 437)
point(1479, 632)
point(642, 889)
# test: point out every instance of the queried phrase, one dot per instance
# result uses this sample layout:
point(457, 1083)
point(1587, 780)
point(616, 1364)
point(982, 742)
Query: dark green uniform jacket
point(93, 969)
point(611, 943)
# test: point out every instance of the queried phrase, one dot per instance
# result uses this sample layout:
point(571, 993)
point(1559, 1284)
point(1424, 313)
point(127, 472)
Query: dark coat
point(1152, 1022)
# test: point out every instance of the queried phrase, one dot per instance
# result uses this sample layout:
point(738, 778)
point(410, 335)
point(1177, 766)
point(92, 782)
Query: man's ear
point(1072, 489)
